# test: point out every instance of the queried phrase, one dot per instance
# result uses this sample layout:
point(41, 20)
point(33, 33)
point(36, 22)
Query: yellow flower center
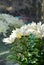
point(19, 35)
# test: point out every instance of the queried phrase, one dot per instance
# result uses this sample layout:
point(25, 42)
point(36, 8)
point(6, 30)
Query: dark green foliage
point(28, 50)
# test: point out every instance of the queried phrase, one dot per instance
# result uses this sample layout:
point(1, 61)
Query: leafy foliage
point(28, 50)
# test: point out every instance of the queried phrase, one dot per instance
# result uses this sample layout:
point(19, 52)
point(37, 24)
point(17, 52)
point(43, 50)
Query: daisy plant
point(27, 44)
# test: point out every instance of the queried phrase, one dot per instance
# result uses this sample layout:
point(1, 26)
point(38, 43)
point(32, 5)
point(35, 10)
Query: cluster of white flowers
point(6, 19)
point(36, 29)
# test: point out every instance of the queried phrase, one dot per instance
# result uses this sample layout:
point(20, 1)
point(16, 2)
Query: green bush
point(28, 50)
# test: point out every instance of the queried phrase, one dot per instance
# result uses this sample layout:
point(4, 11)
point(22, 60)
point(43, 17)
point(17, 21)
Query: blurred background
point(31, 9)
